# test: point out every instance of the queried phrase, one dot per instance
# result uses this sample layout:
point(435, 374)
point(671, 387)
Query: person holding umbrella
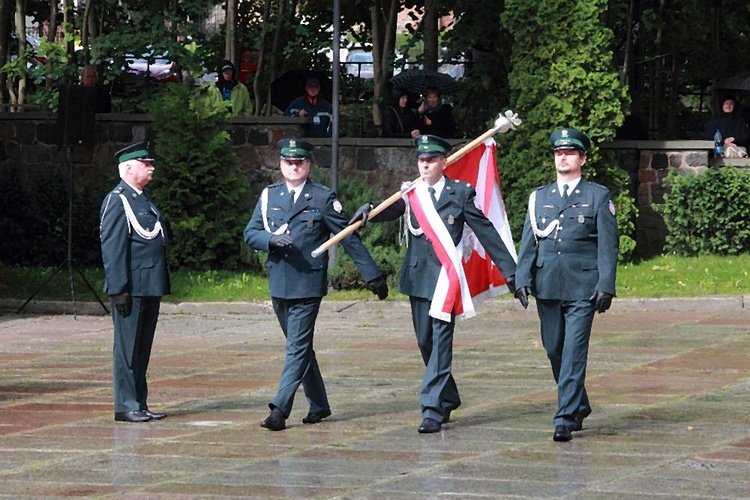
point(437, 117)
point(314, 105)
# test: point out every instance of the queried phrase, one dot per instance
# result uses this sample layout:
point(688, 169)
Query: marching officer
point(290, 220)
point(568, 261)
point(450, 205)
point(134, 252)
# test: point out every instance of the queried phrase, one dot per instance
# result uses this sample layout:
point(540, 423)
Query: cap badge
point(564, 132)
point(292, 143)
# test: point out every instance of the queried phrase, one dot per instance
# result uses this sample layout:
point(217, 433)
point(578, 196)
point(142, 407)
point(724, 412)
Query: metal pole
point(336, 107)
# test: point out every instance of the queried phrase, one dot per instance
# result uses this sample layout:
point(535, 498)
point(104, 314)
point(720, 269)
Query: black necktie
point(432, 195)
point(565, 194)
point(291, 198)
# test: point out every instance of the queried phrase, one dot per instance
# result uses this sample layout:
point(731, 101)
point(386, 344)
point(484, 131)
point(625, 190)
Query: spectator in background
point(90, 78)
point(228, 89)
point(728, 121)
point(437, 117)
point(400, 119)
point(314, 105)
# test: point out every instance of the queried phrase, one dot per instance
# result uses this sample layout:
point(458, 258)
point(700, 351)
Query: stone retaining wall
point(30, 143)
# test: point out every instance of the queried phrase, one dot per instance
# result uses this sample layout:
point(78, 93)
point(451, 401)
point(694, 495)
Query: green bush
point(562, 75)
point(199, 184)
point(707, 213)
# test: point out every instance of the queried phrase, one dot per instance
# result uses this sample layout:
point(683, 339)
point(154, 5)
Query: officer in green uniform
point(291, 219)
point(134, 252)
point(568, 261)
point(454, 202)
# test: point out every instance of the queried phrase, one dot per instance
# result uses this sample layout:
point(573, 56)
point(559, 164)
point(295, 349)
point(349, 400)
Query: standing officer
point(291, 219)
point(134, 251)
point(568, 261)
point(453, 202)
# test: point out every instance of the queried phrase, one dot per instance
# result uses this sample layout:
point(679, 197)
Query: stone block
point(659, 161)
point(645, 160)
point(647, 175)
point(120, 132)
point(238, 135)
point(365, 160)
point(7, 131)
point(696, 158)
point(258, 137)
point(675, 160)
point(322, 157)
point(644, 195)
point(48, 133)
point(25, 132)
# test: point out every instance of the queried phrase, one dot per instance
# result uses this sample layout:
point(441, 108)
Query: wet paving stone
point(669, 384)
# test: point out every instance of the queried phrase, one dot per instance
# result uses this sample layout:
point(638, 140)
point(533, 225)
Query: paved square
point(669, 382)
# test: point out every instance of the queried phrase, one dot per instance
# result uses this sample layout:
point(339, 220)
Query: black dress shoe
point(428, 426)
point(562, 434)
point(131, 416)
point(275, 421)
point(316, 418)
point(154, 415)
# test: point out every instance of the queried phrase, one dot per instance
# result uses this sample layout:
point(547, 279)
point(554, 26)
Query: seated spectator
point(314, 105)
point(437, 117)
point(730, 124)
point(229, 90)
point(90, 78)
point(400, 119)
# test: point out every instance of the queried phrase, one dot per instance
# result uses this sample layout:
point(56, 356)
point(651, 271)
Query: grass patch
point(663, 276)
point(673, 276)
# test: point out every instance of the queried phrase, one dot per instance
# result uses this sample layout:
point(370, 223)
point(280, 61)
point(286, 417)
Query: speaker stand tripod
point(68, 262)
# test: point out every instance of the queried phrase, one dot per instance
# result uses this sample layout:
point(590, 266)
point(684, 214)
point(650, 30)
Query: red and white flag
point(468, 271)
point(478, 168)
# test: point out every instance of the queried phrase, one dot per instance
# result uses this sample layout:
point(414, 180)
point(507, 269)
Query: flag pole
point(503, 123)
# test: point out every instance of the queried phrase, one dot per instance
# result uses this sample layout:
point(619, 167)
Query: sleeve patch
point(611, 207)
point(337, 206)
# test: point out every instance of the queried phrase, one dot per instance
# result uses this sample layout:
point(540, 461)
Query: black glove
point(522, 294)
point(362, 213)
point(122, 304)
point(601, 300)
point(379, 287)
point(281, 240)
point(511, 282)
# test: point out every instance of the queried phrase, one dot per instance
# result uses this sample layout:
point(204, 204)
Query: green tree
point(199, 184)
point(562, 75)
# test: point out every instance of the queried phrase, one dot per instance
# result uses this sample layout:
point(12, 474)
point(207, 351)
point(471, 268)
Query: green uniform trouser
point(297, 319)
point(134, 336)
point(566, 329)
point(439, 393)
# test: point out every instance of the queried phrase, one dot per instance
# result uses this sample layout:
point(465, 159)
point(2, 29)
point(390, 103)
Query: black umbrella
point(419, 80)
point(740, 81)
point(291, 85)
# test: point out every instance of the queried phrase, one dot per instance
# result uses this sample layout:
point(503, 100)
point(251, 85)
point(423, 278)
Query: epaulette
point(322, 187)
point(595, 185)
point(540, 188)
point(274, 186)
point(118, 190)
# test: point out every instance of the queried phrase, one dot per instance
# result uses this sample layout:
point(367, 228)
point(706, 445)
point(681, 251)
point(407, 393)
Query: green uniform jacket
point(132, 264)
point(293, 273)
point(581, 256)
